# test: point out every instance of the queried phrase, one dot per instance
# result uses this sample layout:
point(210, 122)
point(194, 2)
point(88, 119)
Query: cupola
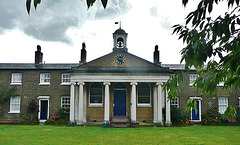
point(120, 40)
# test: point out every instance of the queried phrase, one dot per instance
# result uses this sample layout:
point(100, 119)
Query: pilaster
point(168, 112)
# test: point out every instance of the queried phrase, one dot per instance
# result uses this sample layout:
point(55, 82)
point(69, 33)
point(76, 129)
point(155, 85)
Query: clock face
point(120, 59)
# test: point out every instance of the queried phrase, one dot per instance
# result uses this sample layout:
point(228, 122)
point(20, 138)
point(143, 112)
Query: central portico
point(119, 84)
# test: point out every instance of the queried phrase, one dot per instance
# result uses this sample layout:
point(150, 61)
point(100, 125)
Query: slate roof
point(32, 66)
point(176, 66)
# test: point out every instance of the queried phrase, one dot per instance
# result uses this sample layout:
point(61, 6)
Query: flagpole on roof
point(119, 24)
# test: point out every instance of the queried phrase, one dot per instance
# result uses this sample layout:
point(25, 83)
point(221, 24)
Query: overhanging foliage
point(6, 94)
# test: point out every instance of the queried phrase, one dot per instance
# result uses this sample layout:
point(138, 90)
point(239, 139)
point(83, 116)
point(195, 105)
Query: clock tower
point(120, 40)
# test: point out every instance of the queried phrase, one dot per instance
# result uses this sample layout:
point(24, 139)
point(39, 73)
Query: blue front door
point(44, 110)
point(119, 102)
point(194, 115)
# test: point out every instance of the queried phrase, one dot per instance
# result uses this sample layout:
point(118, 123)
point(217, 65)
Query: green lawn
point(24, 134)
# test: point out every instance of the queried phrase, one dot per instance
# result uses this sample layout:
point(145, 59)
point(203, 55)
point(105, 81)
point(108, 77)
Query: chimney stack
point(83, 53)
point(156, 55)
point(38, 55)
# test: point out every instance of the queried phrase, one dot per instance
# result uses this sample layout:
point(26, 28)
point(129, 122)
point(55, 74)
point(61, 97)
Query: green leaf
point(210, 6)
point(28, 5)
point(90, 3)
point(104, 3)
point(184, 2)
point(233, 27)
point(35, 3)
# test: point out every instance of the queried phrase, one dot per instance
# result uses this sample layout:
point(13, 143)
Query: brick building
point(116, 84)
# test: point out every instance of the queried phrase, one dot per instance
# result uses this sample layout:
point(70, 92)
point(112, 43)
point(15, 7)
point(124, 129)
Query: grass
point(24, 134)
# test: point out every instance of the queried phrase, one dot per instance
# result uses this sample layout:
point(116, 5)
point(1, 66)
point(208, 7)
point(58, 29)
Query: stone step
point(120, 121)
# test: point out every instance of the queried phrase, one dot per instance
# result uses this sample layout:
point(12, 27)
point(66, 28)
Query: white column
point(80, 103)
point(168, 111)
point(106, 102)
point(133, 102)
point(76, 102)
point(159, 104)
point(155, 104)
point(72, 104)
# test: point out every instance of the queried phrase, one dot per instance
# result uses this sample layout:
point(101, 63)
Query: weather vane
point(119, 24)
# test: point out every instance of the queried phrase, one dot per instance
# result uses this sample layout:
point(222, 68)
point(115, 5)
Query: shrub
point(210, 117)
point(176, 115)
point(58, 118)
point(27, 121)
point(30, 117)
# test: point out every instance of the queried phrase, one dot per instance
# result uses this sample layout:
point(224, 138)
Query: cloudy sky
point(60, 27)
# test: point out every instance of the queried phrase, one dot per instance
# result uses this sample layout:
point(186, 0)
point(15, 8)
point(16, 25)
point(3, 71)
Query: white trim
point(16, 84)
point(110, 77)
point(89, 96)
point(65, 84)
point(44, 97)
point(200, 108)
point(11, 99)
point(41, 98)
point(196, 98)
point(144, 104)
point(44, 84)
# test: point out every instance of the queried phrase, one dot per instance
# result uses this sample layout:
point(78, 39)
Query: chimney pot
point(38, 55)
point(156, 55)
point(83, 53)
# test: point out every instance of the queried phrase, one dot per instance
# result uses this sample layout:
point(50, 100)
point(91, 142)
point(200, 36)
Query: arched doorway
point(119, 100)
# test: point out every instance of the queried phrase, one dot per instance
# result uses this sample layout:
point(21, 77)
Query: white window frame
point(64, 78)
point(223, 104)
point(94, 104)
point(15, 101)
point(16, 79)
point(144, 104)
point(43, 78)
point(192, 77)
point(62, 99)
point(220, 84)
point(175, 102)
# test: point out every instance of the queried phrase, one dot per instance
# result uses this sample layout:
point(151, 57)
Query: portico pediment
point(120, 62)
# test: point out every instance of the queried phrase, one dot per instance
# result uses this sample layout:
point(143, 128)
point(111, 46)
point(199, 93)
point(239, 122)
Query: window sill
point(65, 84)
point(16, 84)
point(95, 105)
point(144, 105)
point(12, 112)
point(44, 84)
